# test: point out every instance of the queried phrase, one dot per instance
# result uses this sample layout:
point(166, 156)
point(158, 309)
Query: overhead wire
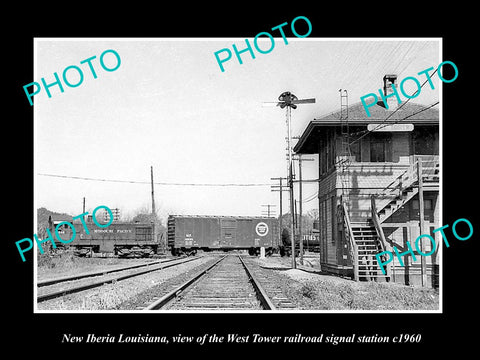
point(384, 122)
point(310, 198)
point(157, 183)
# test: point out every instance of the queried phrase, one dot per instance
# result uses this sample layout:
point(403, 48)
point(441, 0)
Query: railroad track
point(227, 284)
point(272, 285)
point(99, 273)
point(54, 288)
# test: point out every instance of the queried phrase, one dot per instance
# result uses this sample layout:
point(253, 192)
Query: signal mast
point(290, 101)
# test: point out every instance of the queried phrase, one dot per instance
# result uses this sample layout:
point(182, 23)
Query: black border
point(439, 331)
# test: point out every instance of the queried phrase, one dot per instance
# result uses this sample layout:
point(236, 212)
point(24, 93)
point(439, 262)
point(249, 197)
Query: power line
point(384, 122)
point(310, 198)
point(406, 101)
point(156, 183)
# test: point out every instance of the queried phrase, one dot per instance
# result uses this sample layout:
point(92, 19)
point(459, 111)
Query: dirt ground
point(313, 290)
point(309, 271)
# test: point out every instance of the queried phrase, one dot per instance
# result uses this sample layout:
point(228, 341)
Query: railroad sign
point(390, 127)
point(261, 229)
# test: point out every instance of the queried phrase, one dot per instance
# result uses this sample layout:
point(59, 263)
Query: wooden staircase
point(393, 205)
point(366, 239)
point(367, 245)
point(405, 187)
point(364, 242)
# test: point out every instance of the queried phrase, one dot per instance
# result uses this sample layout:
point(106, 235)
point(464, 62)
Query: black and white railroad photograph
point(279, 173)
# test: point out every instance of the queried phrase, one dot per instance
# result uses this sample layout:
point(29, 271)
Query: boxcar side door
point(228, 232)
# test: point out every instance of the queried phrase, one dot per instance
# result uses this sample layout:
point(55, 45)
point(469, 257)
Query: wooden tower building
point(368, 188)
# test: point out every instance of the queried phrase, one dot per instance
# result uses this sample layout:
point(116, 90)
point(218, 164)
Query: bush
point(308, 290)
point(330, 295)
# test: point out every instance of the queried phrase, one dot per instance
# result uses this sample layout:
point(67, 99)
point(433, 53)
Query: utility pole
point(281, 209)
point(268, 206)
point(300, 205)
point(84, 216)
point(154, 212)
point(153, 196)
point(422, 220)
point(300, 181)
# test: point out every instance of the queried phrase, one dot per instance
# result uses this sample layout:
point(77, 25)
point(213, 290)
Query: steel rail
point(261, 294)
point(158, 304)
point(98, 283)
point(98, 273)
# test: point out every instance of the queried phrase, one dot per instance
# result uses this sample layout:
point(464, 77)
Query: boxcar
point(187, 234)
point(124, 239)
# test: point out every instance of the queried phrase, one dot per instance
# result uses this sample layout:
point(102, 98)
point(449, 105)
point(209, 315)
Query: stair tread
point(392, 206)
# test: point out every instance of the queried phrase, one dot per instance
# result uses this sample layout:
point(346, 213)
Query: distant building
point(367, 172)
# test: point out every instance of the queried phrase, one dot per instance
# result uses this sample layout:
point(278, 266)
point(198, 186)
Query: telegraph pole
point(153, 196)
point(300, 205)
point(154, 212)
point(281, 209)
point(300, 159)
point(84, 216)
point(423, 260)
point(268, 206)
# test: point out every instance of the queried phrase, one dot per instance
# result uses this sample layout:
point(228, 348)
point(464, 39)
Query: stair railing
point(404, 180)
point(351, 240)
point(376, 222)
point(430, 167)
point(378, 227)
point(398, 185)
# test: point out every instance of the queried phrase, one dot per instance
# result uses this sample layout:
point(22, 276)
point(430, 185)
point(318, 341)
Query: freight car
point(187, 234)
point(310, 243)
point(124, 239)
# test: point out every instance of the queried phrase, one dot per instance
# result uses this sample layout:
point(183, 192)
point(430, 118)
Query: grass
point(110, 296)
point(65, 263)
point(326, 295)
point(62, 262)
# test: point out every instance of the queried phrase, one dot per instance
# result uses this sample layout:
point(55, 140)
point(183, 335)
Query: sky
point(168, 105)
